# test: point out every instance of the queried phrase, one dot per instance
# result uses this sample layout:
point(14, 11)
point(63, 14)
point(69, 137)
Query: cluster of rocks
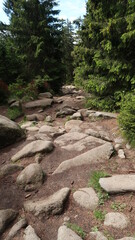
point(94, 146)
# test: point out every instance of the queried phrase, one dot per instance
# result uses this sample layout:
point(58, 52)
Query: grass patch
point(77, 229)
point(117, 206)
point(99, 215)
point(14, 113)
point(94, 182)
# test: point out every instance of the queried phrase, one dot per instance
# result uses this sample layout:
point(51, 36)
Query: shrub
point(14, 113)
point(22, 90)
point(127, 118)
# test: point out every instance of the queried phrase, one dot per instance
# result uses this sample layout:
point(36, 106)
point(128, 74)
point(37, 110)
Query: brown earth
point(12, 197)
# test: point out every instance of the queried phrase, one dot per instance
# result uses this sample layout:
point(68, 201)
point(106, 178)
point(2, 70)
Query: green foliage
point(94, 229)
point(127, 118)
point(94, 182)
point(99, 215)
point(77, 229)
point(14, 113)
point(24, 91)
point(36, 44)
point(117, 206)
point(103, 58)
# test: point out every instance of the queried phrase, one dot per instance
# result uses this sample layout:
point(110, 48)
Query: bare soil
point(12, 197)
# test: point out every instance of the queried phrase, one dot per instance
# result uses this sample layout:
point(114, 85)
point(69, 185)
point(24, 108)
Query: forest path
point(70, 146)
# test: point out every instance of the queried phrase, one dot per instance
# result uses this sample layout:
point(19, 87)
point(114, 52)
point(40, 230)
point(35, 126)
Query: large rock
point(33, 148)
point(29, 234)
point(31, 177)
point(65, 112)
point(52, 205)
point(116, 220)
point(39, 136)
point(86, 197)
point(98, 134)
point(102, 114)
point(68, 89)
point(83, 143)
point(46, 102)
point(69, 138)
point(6, 217)
point(45, 95)
point(72, 124)
point(16, 228)
point(65, 233)
point(10, 132)
point(52, 131)
point(35, 117)
point(9, 169)
point(96, 155)
point(77, 116)
point(127, 238)
point(118, 183)
point(97, 235)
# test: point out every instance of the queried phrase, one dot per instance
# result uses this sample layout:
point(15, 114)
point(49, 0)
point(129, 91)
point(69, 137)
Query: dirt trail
point(11, 196)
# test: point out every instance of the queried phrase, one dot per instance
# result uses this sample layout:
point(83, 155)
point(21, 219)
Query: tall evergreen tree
point(104, 58)
point(34, 28)
point(67, 46)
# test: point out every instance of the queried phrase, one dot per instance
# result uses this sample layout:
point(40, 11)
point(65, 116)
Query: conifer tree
point(104, 58)
point(34, 28)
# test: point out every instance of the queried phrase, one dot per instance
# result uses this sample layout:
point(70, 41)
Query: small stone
point(128, 146)
point(66, 219)
point(26, 125)
point(15, 229)
point(117, 146)
point(121, 153)
point(32, 129)
point(80, 97)
point(77, 116)
point(118, 140)
point(28, 195)
point(86, 197)
point(38, 158)
point(16, 104)
point(49, 119)
point(10, 169)
point(97, 235)
point(29, 234)
point(6, 216)
point(116, 220)
point(31, 177)
point(65, 233)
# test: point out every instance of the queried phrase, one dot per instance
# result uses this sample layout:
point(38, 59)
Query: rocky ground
point(47, 191)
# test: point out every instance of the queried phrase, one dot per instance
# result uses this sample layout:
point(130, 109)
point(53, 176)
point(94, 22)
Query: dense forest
point(38, 51)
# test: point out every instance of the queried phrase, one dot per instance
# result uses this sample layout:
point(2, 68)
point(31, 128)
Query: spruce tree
point(104, 58)
point(34, 28)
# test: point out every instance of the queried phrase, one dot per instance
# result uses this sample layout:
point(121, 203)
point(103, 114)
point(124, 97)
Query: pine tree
point(104, 58)
point(67, 46)
point(34, 28)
